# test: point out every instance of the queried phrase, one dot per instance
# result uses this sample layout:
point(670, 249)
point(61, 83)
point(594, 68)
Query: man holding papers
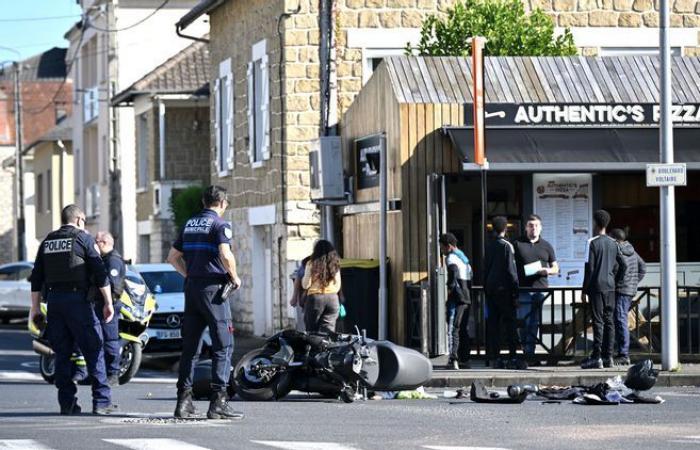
point(535, 261)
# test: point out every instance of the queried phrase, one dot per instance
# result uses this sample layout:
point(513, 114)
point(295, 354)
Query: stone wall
point(187, 143)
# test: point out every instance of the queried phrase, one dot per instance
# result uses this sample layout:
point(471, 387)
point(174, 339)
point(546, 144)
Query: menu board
point(563, 201)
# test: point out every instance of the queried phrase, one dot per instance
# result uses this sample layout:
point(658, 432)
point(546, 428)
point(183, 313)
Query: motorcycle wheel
point(47, 368)
point(251, 388)
point(130, 361)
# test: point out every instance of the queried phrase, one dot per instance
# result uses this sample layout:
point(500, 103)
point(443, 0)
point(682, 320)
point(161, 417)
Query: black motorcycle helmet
point(641, 376)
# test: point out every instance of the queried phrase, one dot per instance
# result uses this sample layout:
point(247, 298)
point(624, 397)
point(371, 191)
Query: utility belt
point(67, 287)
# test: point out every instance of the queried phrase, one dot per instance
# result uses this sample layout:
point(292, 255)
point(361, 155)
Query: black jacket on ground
point(604, 261)
point(628, 280)
point(500, 274)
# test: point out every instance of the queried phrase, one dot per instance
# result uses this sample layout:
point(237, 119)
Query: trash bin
point(360, 286)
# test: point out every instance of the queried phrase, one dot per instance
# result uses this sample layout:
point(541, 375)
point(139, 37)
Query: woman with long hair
point(322, 283)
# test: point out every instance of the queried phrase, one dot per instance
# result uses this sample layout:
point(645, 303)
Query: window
point(166, 282)
point(39, 192)
point(144, 248)
point(636, 51)
point(15, 272)
point(258, 106)
point(372, 57)
point(142, 152)
point(223, 124)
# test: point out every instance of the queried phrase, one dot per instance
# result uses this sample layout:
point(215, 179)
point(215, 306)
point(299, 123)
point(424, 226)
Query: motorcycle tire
point(130, 362)
point(251, 389)
point(47, 368)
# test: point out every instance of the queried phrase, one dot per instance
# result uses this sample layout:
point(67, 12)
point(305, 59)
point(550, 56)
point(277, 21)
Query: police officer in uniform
point(202, 254)
point(116, 271)
point(66, 262)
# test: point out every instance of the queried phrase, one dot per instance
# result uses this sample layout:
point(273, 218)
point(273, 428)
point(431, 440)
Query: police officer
point(66, 262)
point(202, 254)
point(116, 271)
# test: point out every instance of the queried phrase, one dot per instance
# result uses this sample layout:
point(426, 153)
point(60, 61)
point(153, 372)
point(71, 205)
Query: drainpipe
point(283, 152)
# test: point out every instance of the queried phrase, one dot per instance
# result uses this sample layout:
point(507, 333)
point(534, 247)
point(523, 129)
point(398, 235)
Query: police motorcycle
point(137, 307)
point(334, 365)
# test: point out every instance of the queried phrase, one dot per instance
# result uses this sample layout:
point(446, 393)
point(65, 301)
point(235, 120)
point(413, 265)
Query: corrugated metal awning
point(518, 80)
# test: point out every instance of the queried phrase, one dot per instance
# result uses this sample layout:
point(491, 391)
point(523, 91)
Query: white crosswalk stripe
point(154, 444)
point(21, 444)
point(300, 445)
point(447, 447)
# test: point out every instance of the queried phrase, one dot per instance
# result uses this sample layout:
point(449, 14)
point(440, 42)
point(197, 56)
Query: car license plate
point(168, 334)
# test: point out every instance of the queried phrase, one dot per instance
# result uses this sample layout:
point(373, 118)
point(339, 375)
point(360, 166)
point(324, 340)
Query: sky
point(38, 28)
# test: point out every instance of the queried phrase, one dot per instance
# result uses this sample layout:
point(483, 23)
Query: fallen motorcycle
point(333, 365)
point(137, 308)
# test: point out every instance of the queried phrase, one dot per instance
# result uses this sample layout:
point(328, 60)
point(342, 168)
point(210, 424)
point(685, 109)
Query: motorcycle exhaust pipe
point(41, 349)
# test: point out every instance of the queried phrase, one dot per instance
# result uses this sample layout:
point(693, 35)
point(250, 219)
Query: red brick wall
point(35, 96)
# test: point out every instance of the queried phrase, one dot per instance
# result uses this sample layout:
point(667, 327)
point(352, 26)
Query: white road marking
point(447, 447)
point(23, 375)
point(17, 353)
point(299, 445)
point(154, 444)
point(21, 444)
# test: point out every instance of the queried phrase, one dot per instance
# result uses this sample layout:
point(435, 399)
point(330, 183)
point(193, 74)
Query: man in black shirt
point(603, 261)
point(501, 287)
point(535, 260)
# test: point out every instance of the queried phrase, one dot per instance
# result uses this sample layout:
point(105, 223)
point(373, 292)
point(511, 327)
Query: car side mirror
point(157, 289)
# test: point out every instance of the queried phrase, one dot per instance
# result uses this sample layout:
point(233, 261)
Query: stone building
point(171, 111)
point(266, 108)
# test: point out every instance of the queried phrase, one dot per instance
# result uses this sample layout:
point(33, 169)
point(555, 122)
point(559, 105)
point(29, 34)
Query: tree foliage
point(509, 31)
point(185, 204)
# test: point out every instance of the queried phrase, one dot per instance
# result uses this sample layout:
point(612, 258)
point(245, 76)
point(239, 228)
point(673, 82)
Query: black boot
point(185, 408)
point(220, 409)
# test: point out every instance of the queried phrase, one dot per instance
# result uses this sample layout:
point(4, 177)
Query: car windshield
point(164, 282)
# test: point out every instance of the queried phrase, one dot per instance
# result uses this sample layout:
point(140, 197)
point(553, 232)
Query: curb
point(454, 379)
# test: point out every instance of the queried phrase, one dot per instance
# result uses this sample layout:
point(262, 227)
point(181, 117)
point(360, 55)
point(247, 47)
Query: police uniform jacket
point(199, 242)
point(66, 261)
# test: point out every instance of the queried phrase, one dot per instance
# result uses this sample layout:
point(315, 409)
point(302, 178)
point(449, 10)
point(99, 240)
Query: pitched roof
point(576, 79)
point(61, 132)
point(47, 66)
point(185, 73)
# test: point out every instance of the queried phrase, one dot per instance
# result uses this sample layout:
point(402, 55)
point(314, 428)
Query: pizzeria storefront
point(564, 137)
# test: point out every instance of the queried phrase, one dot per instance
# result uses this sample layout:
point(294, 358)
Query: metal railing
point(565, 331)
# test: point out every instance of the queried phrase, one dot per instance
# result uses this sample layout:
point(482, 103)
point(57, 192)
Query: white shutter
point(251, 113)
point(217, 123)
point(229, 122)
point(265, 108)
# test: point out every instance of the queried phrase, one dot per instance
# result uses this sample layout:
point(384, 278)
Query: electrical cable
point(31, 19)
point(115, 30)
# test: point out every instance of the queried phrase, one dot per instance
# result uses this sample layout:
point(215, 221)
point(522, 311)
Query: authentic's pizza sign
point(583, 115)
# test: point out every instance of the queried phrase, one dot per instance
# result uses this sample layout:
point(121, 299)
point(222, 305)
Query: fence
point(565, 330)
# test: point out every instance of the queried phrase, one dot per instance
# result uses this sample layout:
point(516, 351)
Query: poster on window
point(563, 201)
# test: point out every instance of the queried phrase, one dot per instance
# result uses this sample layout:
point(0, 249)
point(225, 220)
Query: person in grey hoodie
point(625, 290)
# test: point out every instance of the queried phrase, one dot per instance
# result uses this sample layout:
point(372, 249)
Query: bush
point(185, 204)
point(509, 31)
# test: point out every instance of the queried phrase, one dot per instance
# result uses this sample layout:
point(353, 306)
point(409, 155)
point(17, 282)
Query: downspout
point(187, 36)
point(281, 72)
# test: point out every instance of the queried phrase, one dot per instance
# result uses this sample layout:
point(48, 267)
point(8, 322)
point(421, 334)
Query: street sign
point(673, 174)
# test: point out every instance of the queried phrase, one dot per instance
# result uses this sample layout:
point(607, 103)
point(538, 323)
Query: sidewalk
point(561, 375)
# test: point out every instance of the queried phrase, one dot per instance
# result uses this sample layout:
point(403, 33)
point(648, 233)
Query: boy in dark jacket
point(458, 301)
point(501, 286)
point(603, 262)
point(625, 290)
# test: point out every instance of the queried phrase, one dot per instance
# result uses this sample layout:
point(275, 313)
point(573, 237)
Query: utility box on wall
point(326, 166)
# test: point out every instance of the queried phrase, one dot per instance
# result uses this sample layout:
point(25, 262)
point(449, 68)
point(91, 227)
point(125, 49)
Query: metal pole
point(669, 303)
point(19, 172)
point(383, 298)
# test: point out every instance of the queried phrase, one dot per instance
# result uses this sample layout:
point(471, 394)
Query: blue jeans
point(529, 311)
point(622, 332)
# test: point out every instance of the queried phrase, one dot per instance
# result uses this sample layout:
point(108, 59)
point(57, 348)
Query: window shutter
point(265, 108)
point(230, 158)
point(251, 113)
point(217, 123)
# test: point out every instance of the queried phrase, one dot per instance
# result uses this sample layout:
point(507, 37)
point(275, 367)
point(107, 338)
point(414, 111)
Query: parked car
point(165, 329)
point(15, 290)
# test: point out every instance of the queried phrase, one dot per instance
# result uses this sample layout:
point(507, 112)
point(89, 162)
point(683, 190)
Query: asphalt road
point(29, 419)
